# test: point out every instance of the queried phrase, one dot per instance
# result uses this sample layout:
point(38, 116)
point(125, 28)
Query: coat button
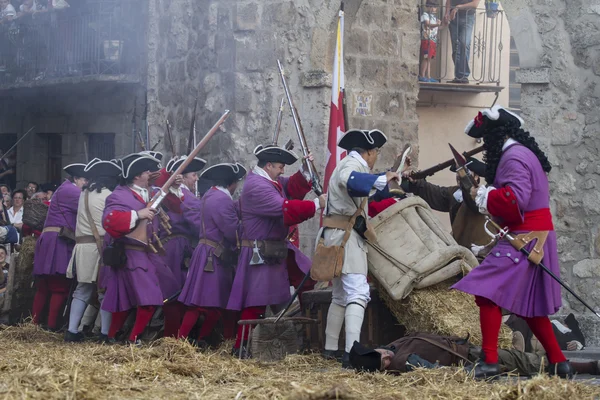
point(508, 254)
point(497, 254)
point(507, 194)
point(513, 202)
point(111, 213)
point(351, 177)
point(516, 260)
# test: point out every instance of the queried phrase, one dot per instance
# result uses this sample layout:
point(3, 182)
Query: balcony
point(95, 41)
point(486, 69)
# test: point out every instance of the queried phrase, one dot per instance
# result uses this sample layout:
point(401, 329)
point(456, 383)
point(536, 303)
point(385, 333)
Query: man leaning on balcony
point(460, 14)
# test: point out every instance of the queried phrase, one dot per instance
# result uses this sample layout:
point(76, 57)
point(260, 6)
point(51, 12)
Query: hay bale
point(437, 309)
point(19, 292)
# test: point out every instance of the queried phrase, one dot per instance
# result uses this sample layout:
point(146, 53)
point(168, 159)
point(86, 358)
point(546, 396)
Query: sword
point(394, 186)
point(506, 233)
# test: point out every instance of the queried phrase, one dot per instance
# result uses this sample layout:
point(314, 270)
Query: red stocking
point(247, 313)
point(211, 317)
point(116, 322)
point(59, 289)
point(143, 317)
point(39, 301)
point(173, 313)
point(490, 319)
point(230, 319)
point(542, 329)
point(189, 321)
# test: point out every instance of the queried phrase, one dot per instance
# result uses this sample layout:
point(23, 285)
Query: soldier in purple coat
point(212, 268)
point(54, 248)
point(143, 281)
point(518, 199)
point(269, 205)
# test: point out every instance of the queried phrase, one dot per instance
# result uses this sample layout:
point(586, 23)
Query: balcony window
point(90, 38)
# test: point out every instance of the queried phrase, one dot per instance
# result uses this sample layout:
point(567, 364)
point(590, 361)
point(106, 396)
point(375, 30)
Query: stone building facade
point(224, 54)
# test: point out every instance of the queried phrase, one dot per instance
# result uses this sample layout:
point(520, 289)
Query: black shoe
point(245, 353)
point(462, 81)
point(201, 344)
point(74, 337)
point(104, 339)
point(346, 361)
point(134, 343)
point(562, 369)
point(332, 355)
point(482, 370)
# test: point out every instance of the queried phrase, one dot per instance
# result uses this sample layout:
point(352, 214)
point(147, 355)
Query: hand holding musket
point(446, 164)
point(312, 170)
point(140, 233)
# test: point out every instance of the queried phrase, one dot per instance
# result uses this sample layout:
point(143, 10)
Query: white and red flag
point(337, 125)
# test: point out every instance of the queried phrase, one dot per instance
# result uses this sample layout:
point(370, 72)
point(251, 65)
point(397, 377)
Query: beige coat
point(85, 256)
point(339, 202)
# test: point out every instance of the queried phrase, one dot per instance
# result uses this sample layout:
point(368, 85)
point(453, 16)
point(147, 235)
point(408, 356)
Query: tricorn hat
point(224, 172)
point(474, 165)
point(365, 359)
point(135, 164)
point(156, 154)
point(491, 118)
point(49, 186)
point(277, 154)
point(196, 165)
point(357, 138)
point(98, 167)
point(76, 169)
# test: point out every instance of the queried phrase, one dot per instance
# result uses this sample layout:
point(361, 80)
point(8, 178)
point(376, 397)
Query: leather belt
point(336, 221)
point(86, 239)
point(168, 238)
point(52, 229)
point(210, 243)
point(136, 248)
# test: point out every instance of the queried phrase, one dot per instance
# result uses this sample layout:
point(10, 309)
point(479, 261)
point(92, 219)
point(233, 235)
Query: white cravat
point(142, 192)
point(222, 189)
point(261, 172)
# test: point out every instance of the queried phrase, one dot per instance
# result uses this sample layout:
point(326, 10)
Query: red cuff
point(503, 203)
point(297, 186)
point(377, 207)
point(117, 223)
point(173, 203)
point(297, 211)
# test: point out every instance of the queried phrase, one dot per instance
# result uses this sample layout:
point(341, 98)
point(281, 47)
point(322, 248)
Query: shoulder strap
point(359, 210)
point(92, 224)
point(443, 347)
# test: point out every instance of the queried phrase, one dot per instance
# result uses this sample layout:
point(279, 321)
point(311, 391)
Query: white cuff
point(304, 173)
point(176, 191)
point(317, 205)
point(134, 219)
point(380, 183)
point(482, 198)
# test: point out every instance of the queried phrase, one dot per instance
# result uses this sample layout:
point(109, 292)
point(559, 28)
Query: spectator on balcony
point(7, 11)
point(15, 213)
point(30, 7)
point(32, 187)
point(429, 38)
point(460, 14)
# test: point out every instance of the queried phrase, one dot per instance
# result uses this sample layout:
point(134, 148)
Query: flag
point(337, 125)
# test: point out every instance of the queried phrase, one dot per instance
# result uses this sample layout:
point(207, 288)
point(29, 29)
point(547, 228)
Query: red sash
point(536, 220)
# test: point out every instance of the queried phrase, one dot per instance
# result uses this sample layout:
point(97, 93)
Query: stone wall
point(224, 53)
point(559, 48)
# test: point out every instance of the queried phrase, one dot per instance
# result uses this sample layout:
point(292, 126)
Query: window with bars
point(101, 145)
point(514, 89)
point(55, 166)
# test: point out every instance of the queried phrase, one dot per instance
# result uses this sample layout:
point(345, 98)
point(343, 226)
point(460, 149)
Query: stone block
point(176, 71)
point(357, 42)
point(283, 14)
point(404, 18)
point(373, 16)
point(316, 79)
point(247, 17)
point(390, 105)
point(373, 73)
point(524, 30)
point(533, 75)
point(321, 49)
point(224, 16)
point(588, 268)
point(384, 44)
point(591, 203)
point(225, 45)
point(243, 93)
point(410, 42)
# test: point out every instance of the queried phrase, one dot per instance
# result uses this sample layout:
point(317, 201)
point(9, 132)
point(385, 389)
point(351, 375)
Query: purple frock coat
point(179, 245)
point(202, 288)
point(506, 277)
point(145, 280)
point(261, 211)
point(52, 254)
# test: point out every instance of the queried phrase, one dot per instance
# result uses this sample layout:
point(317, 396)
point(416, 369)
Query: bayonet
point(278, 122)
point(463, 172)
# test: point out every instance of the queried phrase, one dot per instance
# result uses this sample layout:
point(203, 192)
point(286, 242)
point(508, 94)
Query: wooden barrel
point(413, 250)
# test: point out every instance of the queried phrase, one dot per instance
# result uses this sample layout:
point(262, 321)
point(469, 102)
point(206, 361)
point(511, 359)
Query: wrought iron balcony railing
point(470, 49)
point(102, 38)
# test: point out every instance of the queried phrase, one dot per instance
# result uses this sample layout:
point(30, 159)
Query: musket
point(312, 170)
point(18, 141)
point(278, 123)
point(171, 139)
point(192, 136)
point(157, 143)
point(140, 233)
point(506, 233)
point(446, 164)
point(134, 131)
point(463, 171)
point(141, 140)
point(145, 119)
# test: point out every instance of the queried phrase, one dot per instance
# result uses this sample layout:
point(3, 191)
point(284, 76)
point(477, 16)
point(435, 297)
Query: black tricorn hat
point(49, 186)
point(277, 154)
point(364, 359)
point(135, 164)
point(76, 169)
point(491, 118)
point(224, 172)
point(196, 165)
point(156, 154)
point(203, 185)
point(368, 140)
point(98, 167)
point(474, 165)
